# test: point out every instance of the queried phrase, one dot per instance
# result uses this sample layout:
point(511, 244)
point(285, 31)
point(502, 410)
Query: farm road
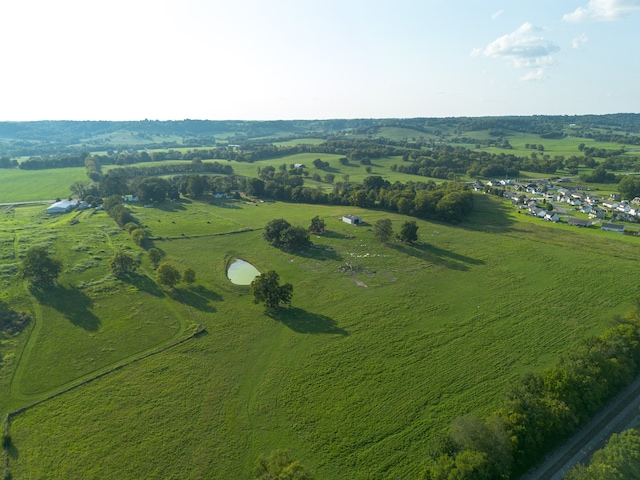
point(620, 414)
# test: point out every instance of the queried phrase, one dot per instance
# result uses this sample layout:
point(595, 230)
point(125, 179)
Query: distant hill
point(18, 139)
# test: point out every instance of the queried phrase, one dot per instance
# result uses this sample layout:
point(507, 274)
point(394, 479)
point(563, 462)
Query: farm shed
point(62, 206)
point(352, 219)
point(613, 227)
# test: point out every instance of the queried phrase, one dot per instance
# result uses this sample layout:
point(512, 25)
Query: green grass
point(371, 360)
point(28, 185)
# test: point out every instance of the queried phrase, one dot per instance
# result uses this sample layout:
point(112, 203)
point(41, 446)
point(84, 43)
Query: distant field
point(26, 185)
point(567, 146)
point(382, 347)
point(301, 141)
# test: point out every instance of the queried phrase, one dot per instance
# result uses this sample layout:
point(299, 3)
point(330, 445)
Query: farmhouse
point(62, 206)
point(613, 227)
point(352, 219)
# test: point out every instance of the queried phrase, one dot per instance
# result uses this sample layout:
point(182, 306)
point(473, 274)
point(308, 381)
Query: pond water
point(241, 272)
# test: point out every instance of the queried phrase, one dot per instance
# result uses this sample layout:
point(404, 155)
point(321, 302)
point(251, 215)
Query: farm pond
point(241, 272)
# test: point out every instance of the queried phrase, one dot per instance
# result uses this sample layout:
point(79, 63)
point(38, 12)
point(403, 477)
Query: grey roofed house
point(613, 227)
point(579, 222)
point(62, 206)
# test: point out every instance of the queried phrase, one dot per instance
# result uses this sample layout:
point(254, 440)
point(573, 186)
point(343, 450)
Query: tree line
point(541, 410)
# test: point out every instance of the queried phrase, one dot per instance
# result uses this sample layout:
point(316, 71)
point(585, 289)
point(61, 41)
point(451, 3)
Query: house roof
point(613, 226)
point(579, 222)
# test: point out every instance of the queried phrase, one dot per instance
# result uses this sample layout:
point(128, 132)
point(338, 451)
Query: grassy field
point(382, 347)
point(28, 185)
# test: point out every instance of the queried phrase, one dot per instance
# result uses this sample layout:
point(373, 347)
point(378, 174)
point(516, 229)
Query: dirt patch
point(359, 283)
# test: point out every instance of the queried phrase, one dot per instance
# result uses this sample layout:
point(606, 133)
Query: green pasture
point(89, 321)
point(300, 141)
point(567, 146)
point(382, 347)
point(28, 185)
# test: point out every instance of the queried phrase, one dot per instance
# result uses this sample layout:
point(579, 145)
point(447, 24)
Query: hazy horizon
point(287, 60)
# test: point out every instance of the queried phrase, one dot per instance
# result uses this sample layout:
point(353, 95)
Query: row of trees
point(383, 231)
point(542, 410)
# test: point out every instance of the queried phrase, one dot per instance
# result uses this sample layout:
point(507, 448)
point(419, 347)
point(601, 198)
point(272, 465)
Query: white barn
point(62, 206)
point(352, 219)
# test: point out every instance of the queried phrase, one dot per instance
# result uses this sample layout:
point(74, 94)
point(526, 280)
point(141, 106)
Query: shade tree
point(39, 268)
point(266, 289)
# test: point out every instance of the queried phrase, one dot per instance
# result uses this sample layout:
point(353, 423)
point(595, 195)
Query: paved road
point(26, 203)
point(619, 415)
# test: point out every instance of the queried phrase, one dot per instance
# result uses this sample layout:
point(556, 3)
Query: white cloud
point(537, 74)
point(497, 14)
point(602, 10)
point(524, 48)
point(579, 40)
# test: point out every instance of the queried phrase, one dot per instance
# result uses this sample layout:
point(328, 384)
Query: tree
point(408, 232)
point(282, 234)
point(138, 235)
point(167, 275)
point(273, 230)
point(317, 225)
point(383, 230)
point(279, 466)
point(111, 202)
point(189, 275)
point(155, 256)
point(122, 263)
point(197, 185)
point(79, 189)
point(39, 268)
point(266, 288)
point(629, 187)
point(154, 189)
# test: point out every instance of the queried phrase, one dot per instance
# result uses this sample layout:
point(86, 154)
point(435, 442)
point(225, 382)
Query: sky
point(310, 59)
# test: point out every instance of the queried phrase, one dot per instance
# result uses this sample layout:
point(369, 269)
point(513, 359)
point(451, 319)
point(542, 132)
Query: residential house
point(579, 222)
point(586, 208)
point(597, 213)
point(552, 217)
point(613, 227)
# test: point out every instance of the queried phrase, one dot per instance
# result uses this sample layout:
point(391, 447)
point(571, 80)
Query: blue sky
point(307, 59)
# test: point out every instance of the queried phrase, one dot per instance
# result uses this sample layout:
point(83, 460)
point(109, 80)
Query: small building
point(552, 217)
point(131, 198)
point(62, 206)
point(298, 165)
point(352, 219)
point(613, 227)
point(579, 222)
point(597, 213)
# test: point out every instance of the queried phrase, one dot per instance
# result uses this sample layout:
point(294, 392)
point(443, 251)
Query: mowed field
point(382, 347)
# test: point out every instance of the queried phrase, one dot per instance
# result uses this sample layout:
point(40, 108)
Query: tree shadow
point(223, 204)
point(437, 256)
point(198, 297)
point(316, 252)
point(333, 234)
point(301, 321)
point(12, 451)
point(143, 283)
point(170, 206)
point(70, 302)
point(490, 214)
